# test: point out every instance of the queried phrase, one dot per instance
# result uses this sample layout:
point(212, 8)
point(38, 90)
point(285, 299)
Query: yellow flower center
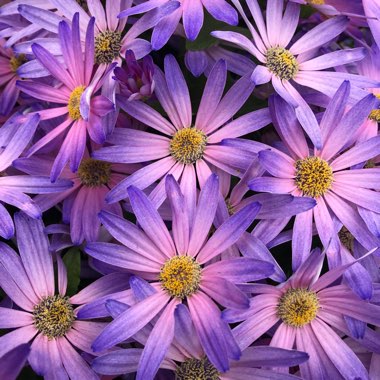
point(188, 145)
point(314, 176)
point(282, 63)
point(180, 276)
point(16, 62)
point(74, 102)
point(107, 46)
point(375, 114)
point(194, 369)
point(53, 316)
point(316, 2)
point(298, 307)
point(93, 173)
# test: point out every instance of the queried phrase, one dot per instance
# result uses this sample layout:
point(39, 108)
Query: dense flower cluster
point(190, 189)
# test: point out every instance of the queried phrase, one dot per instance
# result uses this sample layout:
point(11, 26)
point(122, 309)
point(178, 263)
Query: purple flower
point(45, 317)
point(85, 199)
point(83, 110)
point(176, 268)
point(13, 362)
point(191, 12)
point(186, 357)
point(323, 174)
point(14, 137)
point(283, 65)
point(307, 309)
point(183, 148)
point(135, 78)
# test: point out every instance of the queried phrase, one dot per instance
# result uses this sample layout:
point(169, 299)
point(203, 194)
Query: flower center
point(53, 316)
point(282, 63)
point(192, 369)
point(107, 46)
point(375, 114)
point(230, 207)
point(346, 238)
point(180, 276)
point(16, 62)
point(298, 307)
point(188, 145)
point(313, 176)
point(74, 102)
point(316, 2)
point(93, 173)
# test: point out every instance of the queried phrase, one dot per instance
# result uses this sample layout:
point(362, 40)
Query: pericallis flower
point(324, 174)
point(83, 110)
point(184, 148)
point(283, 64)
point(9, 64)
point(46, 317)
point(85, 199)
point(179, 270)
point(191, 12)
point(187, 360)
point(15, 135)
point(135, 78)
point(305, 310)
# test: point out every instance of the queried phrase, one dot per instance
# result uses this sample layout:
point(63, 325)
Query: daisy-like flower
point(188, 360)
point(177, 271)
point(187, 149)
point(9, 64)
point(47, 318)
point(14, 137)
point(307, 308)
point(324, 174)
point(283, 63)
point(83, 110)
point(191, 12)
point(82, 202)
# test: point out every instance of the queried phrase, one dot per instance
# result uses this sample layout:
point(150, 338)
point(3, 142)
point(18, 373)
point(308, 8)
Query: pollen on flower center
point(282, 63)
point(53, 316)
point(197, 369)
point(316, 2)
point(180, 276)
point(74, 102)
point(93, 173)
point(16, 62)
point(188, 145)
point(107, 46)
point(298, 307)
point(375, 114)
point(313, 176)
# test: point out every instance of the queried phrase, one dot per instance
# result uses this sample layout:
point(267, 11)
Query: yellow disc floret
point(180, 276)
point(197, 369)
point(282, 63)
point(17, 61)
point(107, 46)
point(316, 2)
point(53, 316)
point(314, 176)
point(298, 307)
point(74, 102)
point(93, 173)
point(188, 145)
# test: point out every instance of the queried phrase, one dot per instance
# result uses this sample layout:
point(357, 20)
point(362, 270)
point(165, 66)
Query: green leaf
point(72, 262)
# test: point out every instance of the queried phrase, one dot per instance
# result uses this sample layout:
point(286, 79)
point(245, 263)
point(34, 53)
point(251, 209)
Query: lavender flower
point(185, 146)
point(82, 109)
point(135, 78)
point(306, 306)
point(176, 269)
point(282, 64)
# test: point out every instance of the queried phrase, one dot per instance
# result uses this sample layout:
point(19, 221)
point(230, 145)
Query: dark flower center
point(107, 46)
point(93, 173)
point(346, 238)
point(53, 316)
point(180, 276)
point(298, 307)
point(17, 61)
point(194, 369)
point(187, 145)
point(282, 63)
point(314, 176)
